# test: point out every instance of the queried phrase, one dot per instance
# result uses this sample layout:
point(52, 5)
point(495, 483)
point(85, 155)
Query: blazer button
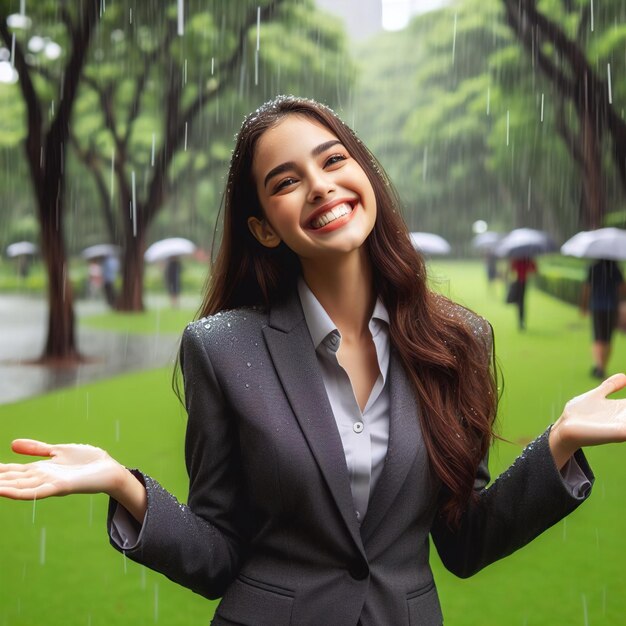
point(358, 570)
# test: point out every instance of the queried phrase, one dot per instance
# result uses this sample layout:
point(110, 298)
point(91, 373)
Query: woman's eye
point(335, 158)
point(286, 182)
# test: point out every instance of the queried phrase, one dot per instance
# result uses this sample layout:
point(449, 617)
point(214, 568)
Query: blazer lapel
point(292, 351)
point(405, 448)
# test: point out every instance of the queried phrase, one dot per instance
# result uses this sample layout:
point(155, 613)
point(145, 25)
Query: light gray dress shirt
point(364, 435)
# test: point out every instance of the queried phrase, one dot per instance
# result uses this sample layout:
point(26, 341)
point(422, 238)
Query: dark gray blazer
point(270, 523)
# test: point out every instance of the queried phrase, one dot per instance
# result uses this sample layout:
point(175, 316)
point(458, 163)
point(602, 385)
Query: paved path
point(23, 322)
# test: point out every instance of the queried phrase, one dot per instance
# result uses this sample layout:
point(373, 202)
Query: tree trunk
point(61, 339)
point(592, 183)
point(131, 296)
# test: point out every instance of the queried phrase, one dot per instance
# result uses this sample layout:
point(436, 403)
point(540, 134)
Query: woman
point(339, 411)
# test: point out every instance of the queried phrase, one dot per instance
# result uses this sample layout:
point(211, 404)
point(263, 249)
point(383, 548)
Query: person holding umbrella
point(172, 276)
point(522, 268)
point(603, 287)
point(601, 295)
point(521, 246)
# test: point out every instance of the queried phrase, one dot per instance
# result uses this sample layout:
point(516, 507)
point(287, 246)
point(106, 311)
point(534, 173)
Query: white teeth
point(330, 216)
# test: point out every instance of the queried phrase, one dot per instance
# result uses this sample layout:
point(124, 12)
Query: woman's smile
point(331, 216)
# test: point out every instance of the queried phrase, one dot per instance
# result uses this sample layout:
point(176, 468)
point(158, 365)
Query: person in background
point(522, 266)
point(172, 274)
point(110, 269)
point(94, 278)
point(600, 295)
point(491, 264)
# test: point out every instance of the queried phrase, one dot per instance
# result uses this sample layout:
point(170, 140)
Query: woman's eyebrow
point(283, 167)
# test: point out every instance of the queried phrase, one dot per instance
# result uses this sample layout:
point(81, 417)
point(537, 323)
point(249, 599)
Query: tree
point(45, 146)
point(150, 127)
point(562, 58)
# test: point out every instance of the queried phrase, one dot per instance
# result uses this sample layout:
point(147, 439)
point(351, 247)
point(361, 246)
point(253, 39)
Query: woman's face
point(315, 196)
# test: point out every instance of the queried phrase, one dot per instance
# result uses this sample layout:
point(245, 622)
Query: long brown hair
point(442, 347)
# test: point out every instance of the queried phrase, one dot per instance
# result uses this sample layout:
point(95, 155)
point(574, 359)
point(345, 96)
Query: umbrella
point(604, 243)
point(487, 241)
point(100, 250)
point(525, 242)
point(21, 248)
point(429, 243)
point(166, 248)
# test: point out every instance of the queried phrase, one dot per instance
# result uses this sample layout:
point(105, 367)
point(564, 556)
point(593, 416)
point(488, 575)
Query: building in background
point(364, 18)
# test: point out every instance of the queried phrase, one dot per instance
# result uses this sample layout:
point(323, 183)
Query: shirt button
point(358, 427)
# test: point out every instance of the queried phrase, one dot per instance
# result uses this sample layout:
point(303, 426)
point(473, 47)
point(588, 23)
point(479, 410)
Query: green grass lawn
point(151, 321)
point(57, 566)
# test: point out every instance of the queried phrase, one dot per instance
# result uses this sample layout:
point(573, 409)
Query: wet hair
point(446, 354)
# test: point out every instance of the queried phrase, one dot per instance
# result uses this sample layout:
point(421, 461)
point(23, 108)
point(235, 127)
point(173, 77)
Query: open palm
point(69, 468)
point(590, 419)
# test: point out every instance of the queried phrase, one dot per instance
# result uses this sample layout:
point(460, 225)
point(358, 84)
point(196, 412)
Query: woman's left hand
point(590, 420)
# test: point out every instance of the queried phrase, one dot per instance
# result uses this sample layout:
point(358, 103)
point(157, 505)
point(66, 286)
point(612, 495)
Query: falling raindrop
point(508, 124)
point(488, 100)
point(185, 136)
point(111, 186)
point(542, 99)
point(425, 163)
point(13, 51)
point(258, 45)
point(153, 147)
point(591, 9)
point(454, 38)
point(585, 612)
point(608, 69)
point(181, 18)
point(125, 562)
point(134, 203)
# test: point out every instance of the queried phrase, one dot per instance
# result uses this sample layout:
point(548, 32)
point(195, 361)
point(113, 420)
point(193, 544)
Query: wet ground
point(22, 337)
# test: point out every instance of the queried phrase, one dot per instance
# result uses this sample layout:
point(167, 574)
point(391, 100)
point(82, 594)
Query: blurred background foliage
point(460, 116)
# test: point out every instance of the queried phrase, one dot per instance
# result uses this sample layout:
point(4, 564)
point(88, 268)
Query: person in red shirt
point(522, 267)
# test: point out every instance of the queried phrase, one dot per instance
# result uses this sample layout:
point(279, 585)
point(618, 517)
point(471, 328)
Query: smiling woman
point(339, 412)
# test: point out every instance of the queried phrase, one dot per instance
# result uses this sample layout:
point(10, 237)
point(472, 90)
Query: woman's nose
point(320, 185)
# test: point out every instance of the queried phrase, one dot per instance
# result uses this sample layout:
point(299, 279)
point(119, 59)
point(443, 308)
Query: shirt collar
point(318, 321)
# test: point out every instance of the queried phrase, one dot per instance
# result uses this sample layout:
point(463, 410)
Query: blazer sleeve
point(198, 545)
point(527, 499)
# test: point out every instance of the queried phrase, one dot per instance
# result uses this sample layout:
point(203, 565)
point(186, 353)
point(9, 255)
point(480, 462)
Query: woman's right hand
point(68, 468)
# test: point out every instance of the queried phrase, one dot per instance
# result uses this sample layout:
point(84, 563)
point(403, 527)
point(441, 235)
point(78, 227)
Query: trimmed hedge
point(561, 283)
point(563, 277)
